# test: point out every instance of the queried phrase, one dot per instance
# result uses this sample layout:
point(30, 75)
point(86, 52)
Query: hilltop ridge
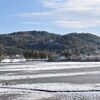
point(17, 42)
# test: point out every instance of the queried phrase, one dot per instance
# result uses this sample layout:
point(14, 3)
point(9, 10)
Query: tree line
point(37, 54)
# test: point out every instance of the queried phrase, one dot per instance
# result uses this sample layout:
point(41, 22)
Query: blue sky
point(57, 16)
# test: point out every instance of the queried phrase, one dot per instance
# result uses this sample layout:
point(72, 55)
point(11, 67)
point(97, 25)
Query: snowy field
point(50, 81)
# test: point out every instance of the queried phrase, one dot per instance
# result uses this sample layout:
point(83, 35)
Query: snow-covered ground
point(13, 60)
point(50, 81)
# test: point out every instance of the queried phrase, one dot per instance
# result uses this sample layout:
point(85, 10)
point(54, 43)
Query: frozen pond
point(20, 80)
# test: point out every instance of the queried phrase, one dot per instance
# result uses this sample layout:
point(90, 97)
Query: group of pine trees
point(1, 54)
point(37, 54)
point(70, 53)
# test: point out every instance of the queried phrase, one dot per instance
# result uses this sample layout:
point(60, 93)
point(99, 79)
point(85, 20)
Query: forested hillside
point(26, 41)
point(29, 41)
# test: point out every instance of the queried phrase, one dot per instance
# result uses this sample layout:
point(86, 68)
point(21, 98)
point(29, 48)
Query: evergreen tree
point(1, 54)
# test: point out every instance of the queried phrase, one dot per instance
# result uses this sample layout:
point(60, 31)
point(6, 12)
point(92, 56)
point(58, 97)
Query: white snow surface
point(59, 86)
point(48, 66)
point(12, 60)
point(15, 77)
point(16, 72)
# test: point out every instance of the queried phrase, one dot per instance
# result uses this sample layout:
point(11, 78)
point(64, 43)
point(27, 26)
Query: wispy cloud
point(76, 24)
point(76, 14)
point(33, 14)
point(36, 23)
point(75, 5)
